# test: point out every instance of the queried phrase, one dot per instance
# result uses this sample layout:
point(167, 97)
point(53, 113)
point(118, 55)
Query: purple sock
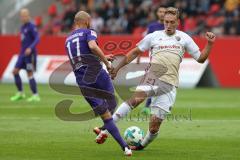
point(113, 130)
point(18, 82)
point(149, 101)
point(33, 85)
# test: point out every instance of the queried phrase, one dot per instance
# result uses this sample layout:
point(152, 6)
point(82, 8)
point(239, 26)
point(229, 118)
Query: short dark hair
point(160, 6)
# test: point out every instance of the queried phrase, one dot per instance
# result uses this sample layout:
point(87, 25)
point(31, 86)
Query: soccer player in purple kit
point(157, 25)
point(27, 57)
point(85, 57)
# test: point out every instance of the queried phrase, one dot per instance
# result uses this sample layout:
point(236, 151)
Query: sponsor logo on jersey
point(93, 33)
point(170, 47)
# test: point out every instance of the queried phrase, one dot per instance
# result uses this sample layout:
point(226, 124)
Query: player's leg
point(144, 90)
point(153, 131)
point(146, 109)
point(160, 107)
point(18, 82)
point(156, 119)
point(33, 86)
point(113, 130)
point(126, 107)
point(122, 111)
point(109, 104)
point(17, 79)
point(100, 107)
point(94, 93)
point(148, 102)
point(112, 103)
point(30, 67)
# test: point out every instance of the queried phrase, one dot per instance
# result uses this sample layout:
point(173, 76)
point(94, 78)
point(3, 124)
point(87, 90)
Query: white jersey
point(168, 51)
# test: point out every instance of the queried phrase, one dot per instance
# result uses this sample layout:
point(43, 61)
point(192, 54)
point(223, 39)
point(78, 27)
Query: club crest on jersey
point(178, 38)
point(93, 33)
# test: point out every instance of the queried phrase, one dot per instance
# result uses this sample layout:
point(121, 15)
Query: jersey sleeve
point(91, 35)
point(145, 43)
point(192, 48)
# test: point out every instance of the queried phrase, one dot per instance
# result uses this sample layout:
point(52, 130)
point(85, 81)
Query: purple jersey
point(155, 26)
point(90, 76)
point(29, 37)
point(77, 48)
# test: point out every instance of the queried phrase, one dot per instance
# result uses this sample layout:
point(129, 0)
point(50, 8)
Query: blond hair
point(173, 11)
point(81, 15)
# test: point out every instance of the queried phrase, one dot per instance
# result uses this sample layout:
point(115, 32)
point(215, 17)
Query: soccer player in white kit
point(161, 79)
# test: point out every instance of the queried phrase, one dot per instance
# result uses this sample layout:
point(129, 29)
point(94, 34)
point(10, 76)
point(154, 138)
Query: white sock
point(20, 92)
point(121, 112)
point(148, 138)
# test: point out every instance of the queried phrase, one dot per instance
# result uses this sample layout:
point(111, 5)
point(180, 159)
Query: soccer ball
point(133, 136)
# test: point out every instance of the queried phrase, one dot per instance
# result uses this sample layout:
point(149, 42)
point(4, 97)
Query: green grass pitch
point(205, 125)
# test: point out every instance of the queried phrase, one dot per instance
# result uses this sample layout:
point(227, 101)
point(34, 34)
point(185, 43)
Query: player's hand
point(110, 57)
point(211, 37)
point(28, 51)
point(109, 67)
point(114, 73)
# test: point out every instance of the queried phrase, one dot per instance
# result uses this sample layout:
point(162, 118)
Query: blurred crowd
point(133, 16)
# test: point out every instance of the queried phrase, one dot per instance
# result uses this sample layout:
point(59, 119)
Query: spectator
point(68, 17)
point(124, 16)
point(97, 22)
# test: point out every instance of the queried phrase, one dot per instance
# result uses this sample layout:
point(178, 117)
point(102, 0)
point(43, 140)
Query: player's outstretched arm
point(131, 55)
point(97, 51)
point(206, 51)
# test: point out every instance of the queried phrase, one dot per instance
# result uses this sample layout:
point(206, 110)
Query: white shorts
point(158, 112)
point(162, 94)
point(161, 105)
point(165, 101)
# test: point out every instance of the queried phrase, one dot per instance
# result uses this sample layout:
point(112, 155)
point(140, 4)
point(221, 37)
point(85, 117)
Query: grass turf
point(204, 125)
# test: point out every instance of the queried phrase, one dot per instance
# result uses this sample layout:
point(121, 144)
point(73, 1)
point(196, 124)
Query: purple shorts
point(26, 62)
point(97, 88)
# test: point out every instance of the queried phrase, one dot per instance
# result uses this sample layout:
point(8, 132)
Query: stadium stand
point(125, 17)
